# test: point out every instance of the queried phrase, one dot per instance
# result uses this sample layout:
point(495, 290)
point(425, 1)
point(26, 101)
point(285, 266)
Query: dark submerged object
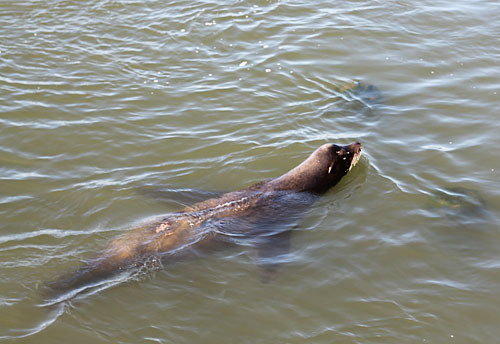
point(260, 214)
point(357, 91)
point(460, 203)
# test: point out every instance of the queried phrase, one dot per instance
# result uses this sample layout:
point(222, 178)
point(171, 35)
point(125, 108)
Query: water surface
point(100, 99)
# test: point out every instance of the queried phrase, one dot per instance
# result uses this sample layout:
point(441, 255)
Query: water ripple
point(100, 98)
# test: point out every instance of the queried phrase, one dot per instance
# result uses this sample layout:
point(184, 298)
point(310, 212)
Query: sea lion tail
point(91, 276)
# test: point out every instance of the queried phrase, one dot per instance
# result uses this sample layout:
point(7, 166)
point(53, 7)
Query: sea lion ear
point(330, 167)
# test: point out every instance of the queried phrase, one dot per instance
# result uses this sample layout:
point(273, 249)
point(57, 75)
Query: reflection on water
point(101, 98)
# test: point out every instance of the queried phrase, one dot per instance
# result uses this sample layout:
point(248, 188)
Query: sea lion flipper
point(272, 254)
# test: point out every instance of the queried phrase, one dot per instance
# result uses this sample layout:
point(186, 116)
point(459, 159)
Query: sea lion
point(259, 213)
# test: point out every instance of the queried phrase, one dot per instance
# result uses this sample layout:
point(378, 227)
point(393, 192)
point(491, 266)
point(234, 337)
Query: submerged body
point(260, 212)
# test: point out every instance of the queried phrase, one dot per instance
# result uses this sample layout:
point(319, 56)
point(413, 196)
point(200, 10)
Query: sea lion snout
point(356, 145)
point(344, 158)
point(353, 148)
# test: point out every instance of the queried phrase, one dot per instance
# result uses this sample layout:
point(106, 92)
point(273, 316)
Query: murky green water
point(102, 98)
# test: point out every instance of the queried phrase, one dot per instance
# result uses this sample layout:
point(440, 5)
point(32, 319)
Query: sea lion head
point(322, 169)
point(334, 162)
